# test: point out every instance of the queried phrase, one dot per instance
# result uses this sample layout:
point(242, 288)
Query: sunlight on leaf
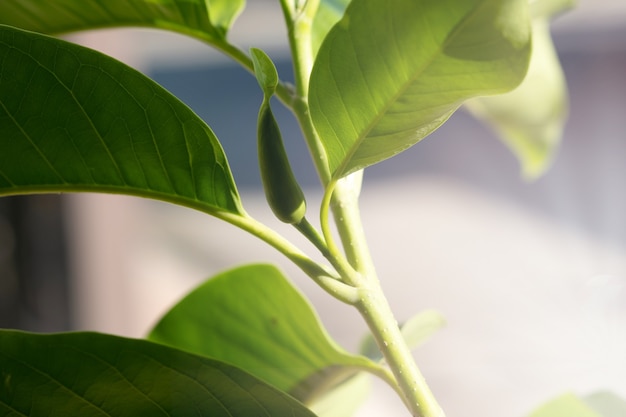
point(254, 318)
point(90, 374)
point(72, 119)
point(386, 77)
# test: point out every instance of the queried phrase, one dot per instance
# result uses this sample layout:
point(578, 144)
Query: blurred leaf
point(416, 331)
point(421, 326)
point(607, 404)
point(567, 405)
point(530, 119)
point(89, 374)
point(201, 18)
point(253, 318)
point(72, 119)
point(345, 399)
point(389, 73)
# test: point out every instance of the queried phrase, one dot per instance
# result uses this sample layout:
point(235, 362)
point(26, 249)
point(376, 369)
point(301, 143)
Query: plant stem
point(375, 309)
point(325, 278)
point(345, 207)
point(358, 269)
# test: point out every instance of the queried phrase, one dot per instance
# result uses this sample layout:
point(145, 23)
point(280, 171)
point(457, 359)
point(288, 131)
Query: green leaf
point(607, 404)
point(72, 119)
point(89, 374)
point(254, 319)
point(567, 405)
point(531, 118)
point(389, 74)
point(202, 18)
point(265, 71)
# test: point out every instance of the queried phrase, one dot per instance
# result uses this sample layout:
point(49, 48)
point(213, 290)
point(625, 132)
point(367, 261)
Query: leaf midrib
point(339, 172)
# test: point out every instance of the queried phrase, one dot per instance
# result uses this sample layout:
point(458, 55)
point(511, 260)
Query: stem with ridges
point(372, 303)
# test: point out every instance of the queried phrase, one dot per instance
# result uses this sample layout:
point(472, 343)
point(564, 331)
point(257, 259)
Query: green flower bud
point(282, 191)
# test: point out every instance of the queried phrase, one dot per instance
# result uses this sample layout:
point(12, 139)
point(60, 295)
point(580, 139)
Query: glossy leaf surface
point(72, 119)
point(385, 77)
point(252, 317)
point(89, 374)
point(203, 18)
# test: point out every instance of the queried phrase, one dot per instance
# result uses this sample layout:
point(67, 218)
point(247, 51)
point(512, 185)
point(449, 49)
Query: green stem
point(373, 305)
point(416, 394)
point(313, 235)
point(324, 277)
point(345, 207)
point(347, 272)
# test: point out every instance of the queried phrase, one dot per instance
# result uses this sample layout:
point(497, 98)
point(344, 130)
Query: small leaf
point(421, 326)
point(567, 405)
point(265, 71)
point(607, 404)
point(72, 119)
point(201, 18)
point(531, 118)
point(89, 374)
point(254, 319)
point(387, 76)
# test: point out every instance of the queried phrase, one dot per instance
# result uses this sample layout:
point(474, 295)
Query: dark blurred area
point(33, 273)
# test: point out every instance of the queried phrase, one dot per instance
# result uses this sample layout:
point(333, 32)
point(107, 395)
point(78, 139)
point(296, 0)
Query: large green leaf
point(89, 374)
point(530, 119)
point(72, 119)
point(207, 19)
point(389, 73)
point(252, 317)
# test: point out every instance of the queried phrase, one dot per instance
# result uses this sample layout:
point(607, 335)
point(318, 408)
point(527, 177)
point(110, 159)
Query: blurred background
point(531, 276)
